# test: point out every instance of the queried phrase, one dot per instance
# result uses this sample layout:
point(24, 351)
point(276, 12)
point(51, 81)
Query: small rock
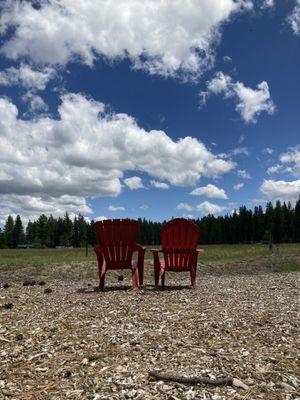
point(245, 353)
point(95, 357)
point(130, 394)
point(237, 383)
point(48, 290)
point(216, 396)
point(5, 286)
point(41, 369)
point(8, 306)
point(271, 359)
point(42, 283)
point(292, 380)
point(29, 283)
point(249, 381)
point(7, 393)
point(66, 374)
point(19, 336)
point(286, 386)
point(270, 385)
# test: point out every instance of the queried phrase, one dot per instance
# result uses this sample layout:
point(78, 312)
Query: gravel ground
point(65, 340)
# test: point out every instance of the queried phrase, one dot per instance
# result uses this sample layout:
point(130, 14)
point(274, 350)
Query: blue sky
point(148, 109)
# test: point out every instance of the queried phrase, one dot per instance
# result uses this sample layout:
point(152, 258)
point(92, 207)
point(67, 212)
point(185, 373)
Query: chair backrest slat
point(179, 239)
point(117, 239)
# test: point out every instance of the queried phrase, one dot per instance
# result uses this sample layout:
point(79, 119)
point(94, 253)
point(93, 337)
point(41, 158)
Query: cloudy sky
point(129, 108)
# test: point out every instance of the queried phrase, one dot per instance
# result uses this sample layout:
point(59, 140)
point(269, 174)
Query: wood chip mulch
point(74, 342)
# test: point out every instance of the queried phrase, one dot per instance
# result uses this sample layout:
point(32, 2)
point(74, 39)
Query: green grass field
point(29, 257)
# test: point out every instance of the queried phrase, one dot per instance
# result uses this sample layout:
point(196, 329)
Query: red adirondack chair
point(179, 239)
point(116, 247)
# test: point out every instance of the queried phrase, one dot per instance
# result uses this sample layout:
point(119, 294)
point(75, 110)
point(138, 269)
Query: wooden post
point(271, 242)
point(86, 248)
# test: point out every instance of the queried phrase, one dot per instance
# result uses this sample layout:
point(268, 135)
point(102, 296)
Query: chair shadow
point(169, 288)
point(96, 289)
point(126, 288)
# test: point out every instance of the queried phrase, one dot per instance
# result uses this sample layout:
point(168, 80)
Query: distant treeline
point(277, 224)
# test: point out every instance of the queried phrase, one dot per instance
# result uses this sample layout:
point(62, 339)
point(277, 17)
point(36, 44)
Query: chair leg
point(163, 279)
point(193, 278)
point(141, 274)
point(135, 278)
point(156, 275)
point(102, 272)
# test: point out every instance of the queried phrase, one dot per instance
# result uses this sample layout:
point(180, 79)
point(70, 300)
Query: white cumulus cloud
point(209, 208)
point(116, 208)
point(242, 173)
point(32, 206)
point(292, 159)
point(281, 190)
point(159, 185)
point(238, 186)
point(184, 206)
point(35, 102)
point(188, 216)
point(268, 3)
point(268, 151)
point(134, 183)
point(210, 191)
point(86, 151)
point(163, 37)
point(274, 169)
point(294, 18)
point(101, 218)
point(249, 102)
point(31, 79)
point(289, 163)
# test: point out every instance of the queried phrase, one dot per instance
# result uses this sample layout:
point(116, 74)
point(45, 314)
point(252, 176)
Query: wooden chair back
point(179, 238)
point(117, 241)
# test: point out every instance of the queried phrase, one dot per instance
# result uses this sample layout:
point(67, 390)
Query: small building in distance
point(24, 246)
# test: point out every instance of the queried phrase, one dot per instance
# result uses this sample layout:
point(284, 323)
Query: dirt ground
point(66, 340)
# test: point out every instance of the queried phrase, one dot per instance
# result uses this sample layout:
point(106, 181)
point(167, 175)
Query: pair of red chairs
point(116, 246)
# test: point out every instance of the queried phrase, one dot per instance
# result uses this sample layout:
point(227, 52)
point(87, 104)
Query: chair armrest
point(200, 250)
point(156, 263)
point(140, 261)
point(138, 247)
point(99, 254)
point(155, 251)
point(97, 249)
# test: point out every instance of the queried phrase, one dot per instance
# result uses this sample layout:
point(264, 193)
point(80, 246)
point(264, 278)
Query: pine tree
point(278, 223)
point(75, 233)
point(297, 221)
point(67, 231)
point(2, 239)
point(91, 234)
point(30, 231)
point(281, 224)
point(82, 226)
point(8, 231)
point(260, 224)
point(42, 231)
point(269, 226)
point(18, 232)
point(287, 229)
